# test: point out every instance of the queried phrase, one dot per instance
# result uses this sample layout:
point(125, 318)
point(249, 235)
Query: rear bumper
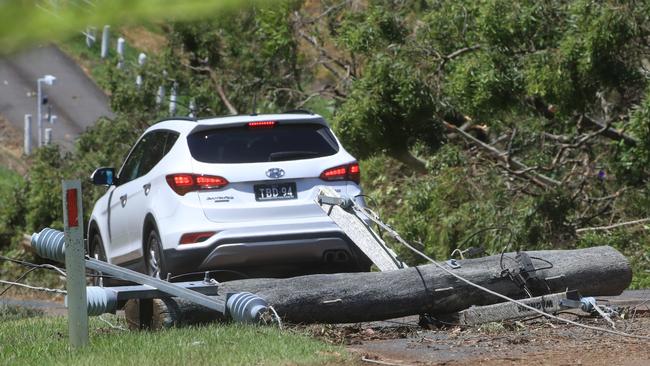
point(265, 251)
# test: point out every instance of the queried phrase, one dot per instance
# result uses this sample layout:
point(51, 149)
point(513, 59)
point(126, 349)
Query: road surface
point(75, 99)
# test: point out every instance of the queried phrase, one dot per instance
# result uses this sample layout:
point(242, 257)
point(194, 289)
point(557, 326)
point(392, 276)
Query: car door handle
point(123, 200)
point(147, 188)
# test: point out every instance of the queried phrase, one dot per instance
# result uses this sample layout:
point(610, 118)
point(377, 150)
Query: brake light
point(354, 173)
point(191, 238)
point(261, 124)
point(206, 181)
point(350, 172)
point(184, 183)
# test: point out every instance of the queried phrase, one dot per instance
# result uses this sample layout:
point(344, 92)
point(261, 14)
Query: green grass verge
point(44, 341)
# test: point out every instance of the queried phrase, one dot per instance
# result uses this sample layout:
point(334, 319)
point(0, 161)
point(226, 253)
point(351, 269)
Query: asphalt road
point(75, 98)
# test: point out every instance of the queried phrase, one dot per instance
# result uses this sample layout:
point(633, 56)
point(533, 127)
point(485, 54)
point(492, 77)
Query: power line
point(397, 237)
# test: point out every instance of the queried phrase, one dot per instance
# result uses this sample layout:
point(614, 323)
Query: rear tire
point(154, 262)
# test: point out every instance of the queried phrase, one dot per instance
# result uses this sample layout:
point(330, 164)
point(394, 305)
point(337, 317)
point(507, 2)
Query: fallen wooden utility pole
point(357, 297)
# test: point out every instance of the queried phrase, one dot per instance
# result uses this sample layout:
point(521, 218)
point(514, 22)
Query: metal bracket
point(335, 201)
point(164, 286)
point(453, 264)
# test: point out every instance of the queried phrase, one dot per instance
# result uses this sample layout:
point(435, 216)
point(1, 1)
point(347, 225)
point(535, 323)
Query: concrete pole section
point(105, 39)
point(28, 135)
point(74, 264)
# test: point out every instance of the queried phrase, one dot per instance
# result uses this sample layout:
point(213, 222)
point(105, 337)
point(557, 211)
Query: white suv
point(233, 193)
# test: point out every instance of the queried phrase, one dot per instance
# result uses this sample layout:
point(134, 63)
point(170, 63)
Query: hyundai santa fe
point(232, 193)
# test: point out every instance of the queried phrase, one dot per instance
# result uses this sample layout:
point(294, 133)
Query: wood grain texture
point(357, 297)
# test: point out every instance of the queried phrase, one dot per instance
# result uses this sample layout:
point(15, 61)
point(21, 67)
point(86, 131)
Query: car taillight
point(191, 238)
point(343, 172)
point(261, 124)
point(184, 183)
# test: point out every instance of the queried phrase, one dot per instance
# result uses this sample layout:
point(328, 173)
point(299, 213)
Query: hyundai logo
point(275, 173)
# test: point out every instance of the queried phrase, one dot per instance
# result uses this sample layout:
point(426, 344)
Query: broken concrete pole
point(357, 297)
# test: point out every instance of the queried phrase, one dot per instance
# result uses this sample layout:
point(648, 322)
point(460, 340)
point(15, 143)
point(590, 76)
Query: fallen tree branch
point(614, 226)
point(609, 132)
point(519, 167)
point(217, 83)
point(457, 53)
point(325, 55)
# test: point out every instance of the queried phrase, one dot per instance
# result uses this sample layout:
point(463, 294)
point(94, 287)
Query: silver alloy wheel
point(97, 254)
point(153, 260)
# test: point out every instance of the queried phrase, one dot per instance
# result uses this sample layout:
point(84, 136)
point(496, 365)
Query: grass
point(43, 340)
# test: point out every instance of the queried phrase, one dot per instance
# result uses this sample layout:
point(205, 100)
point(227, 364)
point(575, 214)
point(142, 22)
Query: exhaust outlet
point(342, 256)
point(329, 257)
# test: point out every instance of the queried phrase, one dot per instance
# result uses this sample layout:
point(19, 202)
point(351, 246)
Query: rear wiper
point(287, 155)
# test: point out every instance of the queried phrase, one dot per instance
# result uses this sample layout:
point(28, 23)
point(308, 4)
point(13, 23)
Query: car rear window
point(233, 145)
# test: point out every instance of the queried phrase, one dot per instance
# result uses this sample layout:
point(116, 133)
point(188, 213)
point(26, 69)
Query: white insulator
point(50, 244)
point(245, 307)
point(100, 300)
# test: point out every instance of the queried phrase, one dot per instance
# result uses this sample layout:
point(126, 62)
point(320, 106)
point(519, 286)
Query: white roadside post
point(105, 39)
point(172, 100)
point(28, 134)
point(160, 95)
point(90, 34)
point(74, 264)
point(47, 138)
point(48, 80)
point(142, 59)
point(120, 52)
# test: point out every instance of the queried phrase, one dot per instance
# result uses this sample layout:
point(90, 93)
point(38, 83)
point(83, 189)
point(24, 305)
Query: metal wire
point(397, 237)
point(45, 289)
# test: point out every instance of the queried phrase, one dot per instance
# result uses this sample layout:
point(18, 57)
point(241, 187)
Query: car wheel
point(97, 252)
point(154, 265)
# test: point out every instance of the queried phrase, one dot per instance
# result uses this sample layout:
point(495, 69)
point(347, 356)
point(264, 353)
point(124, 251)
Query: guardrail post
point(75, 264)
point(28, 135)
point(105, 39)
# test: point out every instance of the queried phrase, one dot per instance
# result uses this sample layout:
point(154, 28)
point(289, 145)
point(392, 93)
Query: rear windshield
point(253, 145)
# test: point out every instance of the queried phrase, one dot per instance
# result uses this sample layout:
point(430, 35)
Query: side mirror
point(103, 177)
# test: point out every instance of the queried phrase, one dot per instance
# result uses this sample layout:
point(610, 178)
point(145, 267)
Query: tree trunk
point(357, 297)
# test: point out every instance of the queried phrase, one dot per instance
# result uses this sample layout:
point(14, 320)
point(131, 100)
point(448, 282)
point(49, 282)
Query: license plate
point(278, 191)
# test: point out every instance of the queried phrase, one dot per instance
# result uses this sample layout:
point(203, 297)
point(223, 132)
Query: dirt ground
point(535, 341)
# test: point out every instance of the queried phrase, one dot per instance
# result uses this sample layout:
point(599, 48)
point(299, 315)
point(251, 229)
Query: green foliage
point(365, 32)
point(33, 21)
point(389, 109)
point(252, 54)
point(441, 210)
point(12, 209)
point(634, 162)
point(517, 75)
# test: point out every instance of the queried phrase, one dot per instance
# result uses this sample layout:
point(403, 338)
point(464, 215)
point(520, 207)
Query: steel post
point(75, 264)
